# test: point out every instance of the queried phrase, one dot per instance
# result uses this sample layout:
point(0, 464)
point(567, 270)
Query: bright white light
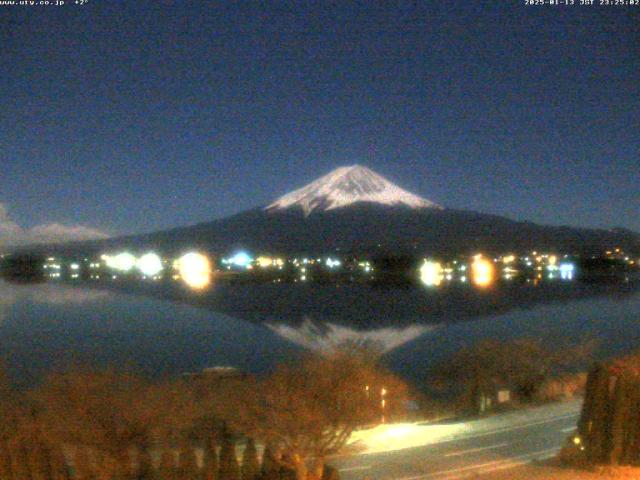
point(75, 266)
point(332, 263)
point(123, 261)
point(431, 273)
point(149, 264)
point(195, 270)
point(567, 271)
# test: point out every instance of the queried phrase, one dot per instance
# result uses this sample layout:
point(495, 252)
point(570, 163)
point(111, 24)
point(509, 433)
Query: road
point(481, 447)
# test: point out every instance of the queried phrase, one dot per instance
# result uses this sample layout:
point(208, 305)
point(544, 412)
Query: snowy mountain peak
point(345, 186)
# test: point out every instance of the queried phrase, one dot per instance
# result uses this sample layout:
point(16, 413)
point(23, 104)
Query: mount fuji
point(355, 210)
point(346, 186)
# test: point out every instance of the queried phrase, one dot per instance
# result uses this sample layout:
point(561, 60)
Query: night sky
point(132, 116)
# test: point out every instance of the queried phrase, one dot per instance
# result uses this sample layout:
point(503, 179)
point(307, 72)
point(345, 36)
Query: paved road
point(488, 445)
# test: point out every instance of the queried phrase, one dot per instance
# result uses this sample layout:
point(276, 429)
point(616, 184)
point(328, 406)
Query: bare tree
point(308, 411)
point(523, 364)
point(99, 414)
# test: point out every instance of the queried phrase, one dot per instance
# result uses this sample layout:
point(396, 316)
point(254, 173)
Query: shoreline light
point(150, 264)
point(567, 271)
point(122, 262)
point(431, 273)
point(240, 259)
point(195, 270)
point(482, 271)
point(333, 263)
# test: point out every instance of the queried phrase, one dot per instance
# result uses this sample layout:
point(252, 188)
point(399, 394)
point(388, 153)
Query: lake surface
point(47, 327)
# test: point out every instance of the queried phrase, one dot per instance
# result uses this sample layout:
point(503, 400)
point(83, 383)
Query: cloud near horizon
point(12, 234)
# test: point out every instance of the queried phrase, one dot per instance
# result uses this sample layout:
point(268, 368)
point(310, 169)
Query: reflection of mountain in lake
point(365, 308)
point(322, 337)
point(153, 327)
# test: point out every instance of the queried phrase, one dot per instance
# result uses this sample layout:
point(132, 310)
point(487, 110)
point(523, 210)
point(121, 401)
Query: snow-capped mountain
point(354, 210)
point(346, 186)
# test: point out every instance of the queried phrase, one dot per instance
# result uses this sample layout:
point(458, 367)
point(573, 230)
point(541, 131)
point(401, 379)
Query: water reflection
point(7, 298)
point(324, 336)
point(253, 327)
point(44, 293)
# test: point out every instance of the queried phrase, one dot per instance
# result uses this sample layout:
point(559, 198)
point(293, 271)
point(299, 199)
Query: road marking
point(352, 469)
point(472, 450)
point(470, 470)
point(567, 430)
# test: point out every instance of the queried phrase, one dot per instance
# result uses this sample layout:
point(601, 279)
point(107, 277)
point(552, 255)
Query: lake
point(46, 327)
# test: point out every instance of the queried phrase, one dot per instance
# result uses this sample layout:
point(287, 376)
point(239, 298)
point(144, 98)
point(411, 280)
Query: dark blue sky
point(135, 116)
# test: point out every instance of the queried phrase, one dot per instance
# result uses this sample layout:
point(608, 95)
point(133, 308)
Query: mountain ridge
point(354, 210)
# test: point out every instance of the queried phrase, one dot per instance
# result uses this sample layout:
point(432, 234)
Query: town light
point(149, 264)
point(508, 259)
point(482, 271)
point(333, 263)
point(123, 261)
point(383, 402)
point(241, 259)
point(431, 273)
point(195, 270)
point(265, 262)
point(567, 271)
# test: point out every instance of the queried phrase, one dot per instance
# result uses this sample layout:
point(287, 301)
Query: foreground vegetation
point(109, 425)
point(95, 425)
point(529, 370)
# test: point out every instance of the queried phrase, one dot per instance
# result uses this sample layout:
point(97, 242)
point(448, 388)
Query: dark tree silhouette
point(609, 423)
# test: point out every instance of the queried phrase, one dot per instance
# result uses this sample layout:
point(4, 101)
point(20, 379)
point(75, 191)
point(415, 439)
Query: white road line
point(567, 430)
point(472, 450)
point(352, 469)
point(487, 467)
